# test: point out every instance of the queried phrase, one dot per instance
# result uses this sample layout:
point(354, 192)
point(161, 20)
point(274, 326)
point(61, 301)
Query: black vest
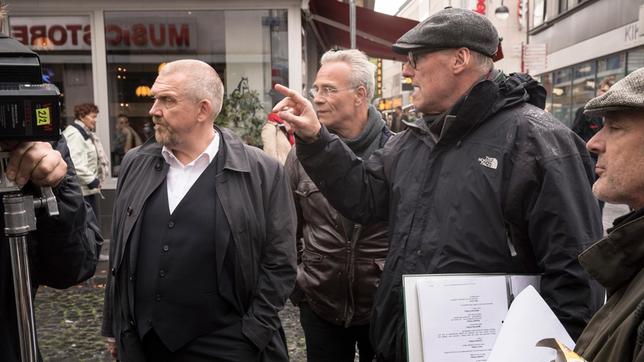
point(176, 291)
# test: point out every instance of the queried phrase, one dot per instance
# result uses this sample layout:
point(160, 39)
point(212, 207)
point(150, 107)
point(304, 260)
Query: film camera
point(29, 109)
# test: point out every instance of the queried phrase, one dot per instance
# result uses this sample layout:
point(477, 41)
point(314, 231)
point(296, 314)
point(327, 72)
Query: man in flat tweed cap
point(616, 332)
point(487, 182)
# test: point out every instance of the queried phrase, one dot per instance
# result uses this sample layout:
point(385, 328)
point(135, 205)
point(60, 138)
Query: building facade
point(586, 41)
point(109, 52)
point(511, 29)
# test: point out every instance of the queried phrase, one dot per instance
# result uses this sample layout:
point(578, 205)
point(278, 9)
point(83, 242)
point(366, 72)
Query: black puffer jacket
point(507, 188)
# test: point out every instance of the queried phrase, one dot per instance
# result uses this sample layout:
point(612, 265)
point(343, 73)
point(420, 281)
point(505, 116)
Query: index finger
point(290, 93)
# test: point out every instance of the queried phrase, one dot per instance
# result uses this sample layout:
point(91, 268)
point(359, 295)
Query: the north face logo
point(489, 162)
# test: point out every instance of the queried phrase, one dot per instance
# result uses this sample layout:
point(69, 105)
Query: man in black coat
point(63, 250)
point(487, 182)
point(204, 236)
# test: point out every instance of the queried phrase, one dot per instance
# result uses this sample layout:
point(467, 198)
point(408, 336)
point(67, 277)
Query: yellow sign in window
point(42, 117)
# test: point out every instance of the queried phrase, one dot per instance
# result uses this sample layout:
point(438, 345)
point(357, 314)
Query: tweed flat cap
point(627, 94)
point(448, 29)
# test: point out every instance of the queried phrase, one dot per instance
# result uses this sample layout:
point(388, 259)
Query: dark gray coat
point(257, 201)
point(506, 189)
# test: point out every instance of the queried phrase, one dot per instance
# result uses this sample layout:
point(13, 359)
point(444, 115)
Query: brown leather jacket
point(339, 262)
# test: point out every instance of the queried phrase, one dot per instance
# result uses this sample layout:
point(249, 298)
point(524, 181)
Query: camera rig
point(29, 111)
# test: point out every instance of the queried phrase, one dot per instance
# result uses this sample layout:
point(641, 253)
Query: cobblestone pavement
point(69, 321)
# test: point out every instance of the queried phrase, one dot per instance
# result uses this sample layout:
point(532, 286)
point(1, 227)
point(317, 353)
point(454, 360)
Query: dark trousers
point(327, 342)
point(224, 345)
point(92, 200)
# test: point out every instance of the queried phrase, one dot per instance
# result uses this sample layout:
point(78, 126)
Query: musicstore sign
point(74, 33)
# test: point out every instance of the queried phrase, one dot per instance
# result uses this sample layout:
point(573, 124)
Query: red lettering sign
point(139, 35)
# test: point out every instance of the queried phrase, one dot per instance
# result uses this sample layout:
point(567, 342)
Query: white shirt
point(181, 177)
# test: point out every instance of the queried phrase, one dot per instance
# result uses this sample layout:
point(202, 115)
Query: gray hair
point(202, 81)
point(481, 61)
point(363, 72)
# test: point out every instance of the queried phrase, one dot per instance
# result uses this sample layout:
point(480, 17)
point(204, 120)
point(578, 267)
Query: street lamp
point(502, 12)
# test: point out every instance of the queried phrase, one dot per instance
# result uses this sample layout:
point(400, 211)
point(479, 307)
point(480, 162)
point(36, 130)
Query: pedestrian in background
point(203, 254)
point(486, 182)
point(339, 261)
point(586, 126)
point(616, 332)
point(277, 140)
point(87, 153)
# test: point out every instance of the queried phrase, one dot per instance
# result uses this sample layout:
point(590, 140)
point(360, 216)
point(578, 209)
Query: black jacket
point(254, 193)
point(63, 251)
point(507, 188)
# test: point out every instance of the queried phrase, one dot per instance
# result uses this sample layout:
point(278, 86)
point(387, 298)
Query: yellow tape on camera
point(43, 117)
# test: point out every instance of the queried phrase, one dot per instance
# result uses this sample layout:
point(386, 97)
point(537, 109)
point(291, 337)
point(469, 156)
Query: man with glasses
point(340, 261)
point(486, 182)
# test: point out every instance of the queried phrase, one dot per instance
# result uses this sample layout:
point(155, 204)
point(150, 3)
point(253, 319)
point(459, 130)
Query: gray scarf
point(369, 140)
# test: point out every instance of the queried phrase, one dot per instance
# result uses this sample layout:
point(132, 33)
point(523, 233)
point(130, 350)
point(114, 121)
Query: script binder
point(456, 317)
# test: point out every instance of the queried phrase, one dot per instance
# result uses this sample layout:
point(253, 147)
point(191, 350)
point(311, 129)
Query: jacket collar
point(81, 128)
point(618, 257)
point(471, 110)
point(235, 150)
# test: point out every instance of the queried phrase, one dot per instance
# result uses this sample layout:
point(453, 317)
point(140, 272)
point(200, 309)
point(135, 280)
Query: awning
point(375, 32)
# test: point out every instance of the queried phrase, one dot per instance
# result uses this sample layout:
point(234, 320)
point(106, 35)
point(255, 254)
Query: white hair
point(362, 70)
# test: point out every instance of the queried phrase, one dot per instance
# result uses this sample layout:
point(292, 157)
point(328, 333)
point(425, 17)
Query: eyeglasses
point(412, 57)
point(326, 91)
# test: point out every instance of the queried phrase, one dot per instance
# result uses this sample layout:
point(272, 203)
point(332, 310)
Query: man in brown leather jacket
point(339, 261)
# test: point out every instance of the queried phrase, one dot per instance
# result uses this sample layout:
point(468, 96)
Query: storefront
point(109, 52)
point(582, 51)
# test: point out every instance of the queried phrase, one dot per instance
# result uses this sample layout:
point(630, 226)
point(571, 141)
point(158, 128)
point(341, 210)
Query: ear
point(461, 59)
point(205, 111)
point(361, 95)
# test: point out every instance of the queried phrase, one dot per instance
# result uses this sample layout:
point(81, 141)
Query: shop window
point(583, 88)
point(546, 81)
point(64, 46)
point(610, 69)
point(243, 44)
point(635, 60)
point(561, 95)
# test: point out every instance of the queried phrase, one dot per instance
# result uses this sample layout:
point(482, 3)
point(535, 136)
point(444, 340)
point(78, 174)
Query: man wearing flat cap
point(487, 182)
point(616, 332)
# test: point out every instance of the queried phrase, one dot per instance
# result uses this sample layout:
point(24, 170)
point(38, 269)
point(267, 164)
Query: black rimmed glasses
point(413, 56)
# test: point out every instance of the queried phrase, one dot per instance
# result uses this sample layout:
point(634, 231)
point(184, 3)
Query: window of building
point(239, 44)
point(561, 95)
point(546, 81)
point(563, 6)
point(64, 46)
point(583, 88)
point(611, 68)
point(538, 13)
point(635, 60)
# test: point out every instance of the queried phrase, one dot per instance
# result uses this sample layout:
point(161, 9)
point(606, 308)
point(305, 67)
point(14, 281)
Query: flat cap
point(448, 29)
point(627, 94)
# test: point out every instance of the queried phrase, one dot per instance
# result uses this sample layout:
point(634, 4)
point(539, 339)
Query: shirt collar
point(209, 154)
